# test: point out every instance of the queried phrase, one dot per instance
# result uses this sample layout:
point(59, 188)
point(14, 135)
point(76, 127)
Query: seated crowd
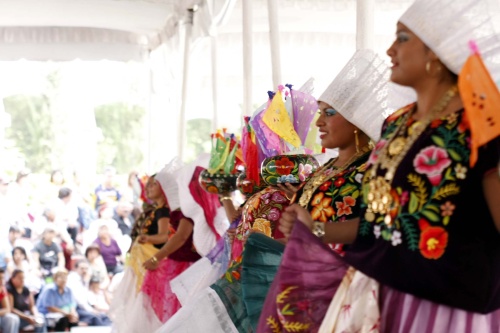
point(56, 266)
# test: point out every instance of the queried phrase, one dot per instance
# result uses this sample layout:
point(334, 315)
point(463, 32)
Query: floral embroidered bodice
point(441, 244)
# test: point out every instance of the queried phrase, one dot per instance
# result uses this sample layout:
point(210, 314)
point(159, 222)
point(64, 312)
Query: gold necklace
point(319, 178)
point(379, 198)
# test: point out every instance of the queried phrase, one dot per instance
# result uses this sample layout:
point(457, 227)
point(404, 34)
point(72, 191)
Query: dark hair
point(2, 270)
point(15, 273)
point(14, 228)
point(23, 251)
point(92, 247)
point(64, 192)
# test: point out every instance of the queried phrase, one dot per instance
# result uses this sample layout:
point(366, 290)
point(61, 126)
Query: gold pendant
point(369, 216)
point(396, 146)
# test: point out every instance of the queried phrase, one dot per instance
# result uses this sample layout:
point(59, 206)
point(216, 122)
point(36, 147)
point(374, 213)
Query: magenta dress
point(156, 283)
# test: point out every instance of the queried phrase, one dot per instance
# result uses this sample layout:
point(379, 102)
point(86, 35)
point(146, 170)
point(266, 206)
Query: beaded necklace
point(322, 176)
point(379, 198)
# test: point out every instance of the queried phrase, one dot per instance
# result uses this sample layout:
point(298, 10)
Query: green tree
point(122, 130)
point(31, 129)
point(198, 138)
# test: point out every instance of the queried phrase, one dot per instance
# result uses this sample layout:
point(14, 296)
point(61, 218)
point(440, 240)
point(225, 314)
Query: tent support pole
point(365, 24)
point(247, 57)
point(274, 39)
point(182, 117)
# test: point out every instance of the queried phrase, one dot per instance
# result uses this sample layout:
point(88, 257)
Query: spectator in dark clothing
point(110, 250)
point(47, 255)
point(124, 218)
point(23, 303)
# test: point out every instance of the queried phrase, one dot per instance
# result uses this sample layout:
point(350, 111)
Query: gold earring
point(356, 140)
point(428, 67)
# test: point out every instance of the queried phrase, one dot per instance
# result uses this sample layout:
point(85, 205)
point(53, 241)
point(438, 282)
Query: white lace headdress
point(362, 94)
point(447, 26)
point(167, 178)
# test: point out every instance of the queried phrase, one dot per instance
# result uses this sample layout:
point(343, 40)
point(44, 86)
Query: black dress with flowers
point(338, 198)
point(309, 273)
point(442, 244)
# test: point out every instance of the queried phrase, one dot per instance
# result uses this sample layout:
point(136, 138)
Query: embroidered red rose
point(325, 186)
point(284, 166)
point(433, 240)
point(431, 161)
point(339, 182)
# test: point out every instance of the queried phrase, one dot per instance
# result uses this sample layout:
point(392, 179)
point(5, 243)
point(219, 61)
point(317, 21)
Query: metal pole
point(247, 57)
point(215, 120)
point(150, 115)
point(365, 24)
point(274, 39)
point(185, 74)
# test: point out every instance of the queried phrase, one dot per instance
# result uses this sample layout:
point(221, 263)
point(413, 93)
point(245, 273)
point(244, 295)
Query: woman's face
point(18, 280)
point(61, 280)
point(409, 56)
point(103, 232)
point(335, 131)
point(18, 256)
point(92, 255)
point(153, 189)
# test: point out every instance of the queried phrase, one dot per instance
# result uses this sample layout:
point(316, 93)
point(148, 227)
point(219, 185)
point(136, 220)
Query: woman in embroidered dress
point(239, 295)
point(428, 235)
point(128, 310)
point(175, 256)
point(350, 107)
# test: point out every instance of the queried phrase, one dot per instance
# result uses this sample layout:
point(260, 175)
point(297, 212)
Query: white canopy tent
point(87, 29)
point(250, 48)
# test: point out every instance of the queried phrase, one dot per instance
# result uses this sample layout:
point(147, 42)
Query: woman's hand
point(142, 239)
point(288, 189)
point(290, 215)
point(151, 264)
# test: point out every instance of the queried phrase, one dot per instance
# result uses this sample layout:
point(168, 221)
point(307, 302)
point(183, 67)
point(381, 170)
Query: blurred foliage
point(31, 129)
point(122, 140)
point(198, 138)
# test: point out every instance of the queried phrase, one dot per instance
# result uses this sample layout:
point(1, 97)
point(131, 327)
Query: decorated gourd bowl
point(218, 182)
point(249, 187)
point(292, 169)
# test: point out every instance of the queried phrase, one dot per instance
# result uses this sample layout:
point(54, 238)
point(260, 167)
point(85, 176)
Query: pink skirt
point(156, 287)
point(402, 312)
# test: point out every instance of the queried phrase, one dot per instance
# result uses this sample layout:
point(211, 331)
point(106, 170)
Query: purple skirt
point(406, 313)
point(310, 274)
